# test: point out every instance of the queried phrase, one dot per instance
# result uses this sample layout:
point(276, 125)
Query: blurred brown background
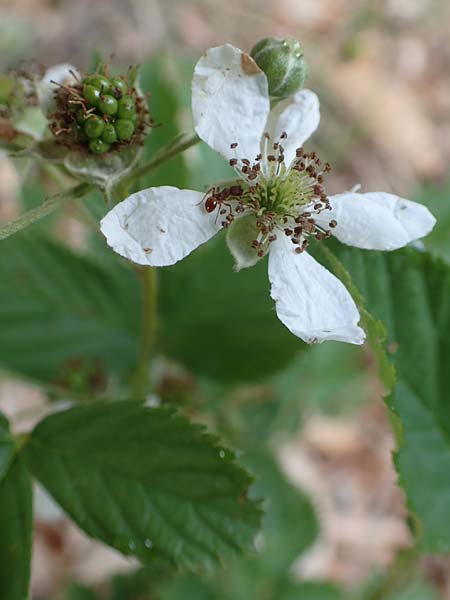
point(381, 69)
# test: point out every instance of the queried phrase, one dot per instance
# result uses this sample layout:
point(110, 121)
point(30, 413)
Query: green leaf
point(7, 446)
point(247, 580)
point(15, 532)
point(170, 108)
point(410, 291)
point(62, 314)
point(79, 592)
point(289, 527)
point(157, 78)
point(319, 591)
point(417, 591)
point(220, 323)
point(188, 587)
point(137, 477)
point(375, 329)
point(436, 198)
point(289, 523)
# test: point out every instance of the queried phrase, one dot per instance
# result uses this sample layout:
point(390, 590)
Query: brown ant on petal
point(220, 199)
point(211, 204)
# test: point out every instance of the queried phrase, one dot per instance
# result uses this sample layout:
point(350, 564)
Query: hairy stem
point(44, 209)
point(82, 189)
point(403, 571)
point(141, 381)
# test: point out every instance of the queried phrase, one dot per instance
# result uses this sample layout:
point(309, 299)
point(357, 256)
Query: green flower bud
point(283, 62)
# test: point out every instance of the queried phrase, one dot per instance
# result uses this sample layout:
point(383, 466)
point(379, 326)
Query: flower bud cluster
point(99, 113)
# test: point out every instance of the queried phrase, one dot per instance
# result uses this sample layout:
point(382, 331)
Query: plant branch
point(44, 209)
point(141, 382)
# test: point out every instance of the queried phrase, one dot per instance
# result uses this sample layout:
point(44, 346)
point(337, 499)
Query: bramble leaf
point(137, 478)
point(229, 315)
point(62, 315)
point(409, 291)
point(15, 520)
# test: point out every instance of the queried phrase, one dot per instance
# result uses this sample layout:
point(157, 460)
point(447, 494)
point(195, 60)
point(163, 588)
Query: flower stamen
point(285, 198)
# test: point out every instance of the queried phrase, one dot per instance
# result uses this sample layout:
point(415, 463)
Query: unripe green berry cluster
point(99, 113)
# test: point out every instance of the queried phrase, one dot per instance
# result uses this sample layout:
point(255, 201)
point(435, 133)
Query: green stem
point(56, 174)
point(43, 209)
point(82, 189)
point(160, 158)
point(148, 275)
point(141, 381)
point(403, 571)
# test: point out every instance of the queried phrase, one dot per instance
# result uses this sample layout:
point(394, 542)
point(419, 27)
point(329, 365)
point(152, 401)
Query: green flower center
point(284, 198)
point(283, 191)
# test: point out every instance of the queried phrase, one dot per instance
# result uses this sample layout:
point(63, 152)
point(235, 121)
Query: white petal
point(159, 226)
point(62, 74)
point(377, 221)
point(299, 117)
point(310, 301)
point(230, 101)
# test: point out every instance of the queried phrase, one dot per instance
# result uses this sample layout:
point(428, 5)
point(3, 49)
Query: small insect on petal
point(210, 204)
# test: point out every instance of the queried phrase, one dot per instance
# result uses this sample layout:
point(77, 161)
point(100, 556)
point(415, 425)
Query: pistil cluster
point(284, 199)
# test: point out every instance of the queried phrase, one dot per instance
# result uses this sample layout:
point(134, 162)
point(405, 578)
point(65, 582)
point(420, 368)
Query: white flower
point(275, 205)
